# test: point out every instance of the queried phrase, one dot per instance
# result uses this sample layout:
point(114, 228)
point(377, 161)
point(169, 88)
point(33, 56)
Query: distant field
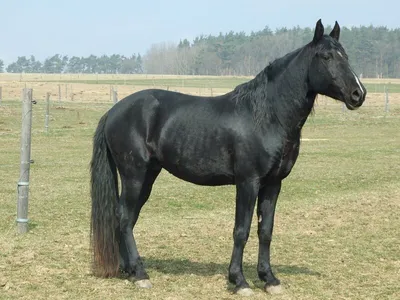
point(228, 83)
point(336, 228)
point(172, 81)
point(195, 82)
point(97, 88)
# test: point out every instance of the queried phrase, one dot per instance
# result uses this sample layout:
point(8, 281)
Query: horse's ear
point(319, 31)
point(335, 33)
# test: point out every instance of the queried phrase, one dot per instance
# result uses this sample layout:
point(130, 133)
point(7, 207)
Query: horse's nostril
point(356, 95)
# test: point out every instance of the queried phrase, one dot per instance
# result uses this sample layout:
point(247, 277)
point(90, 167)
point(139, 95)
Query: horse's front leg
point(267, 197)
point(246, 194)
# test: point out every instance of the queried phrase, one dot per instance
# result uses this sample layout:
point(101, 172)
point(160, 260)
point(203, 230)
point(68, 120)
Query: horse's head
point(330, 73)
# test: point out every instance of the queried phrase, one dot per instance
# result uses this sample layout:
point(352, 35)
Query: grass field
point(336, 229)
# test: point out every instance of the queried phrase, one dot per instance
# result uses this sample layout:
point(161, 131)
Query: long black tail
point(104, 192)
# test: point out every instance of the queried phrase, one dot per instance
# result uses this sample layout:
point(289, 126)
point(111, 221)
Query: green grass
point(336, 229)
point(380, 87)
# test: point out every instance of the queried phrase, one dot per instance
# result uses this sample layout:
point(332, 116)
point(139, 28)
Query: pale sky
point(46, 27)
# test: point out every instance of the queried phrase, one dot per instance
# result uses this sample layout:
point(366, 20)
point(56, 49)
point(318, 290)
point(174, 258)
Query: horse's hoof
point(273, 289)
point(143, 284)
point(245, 292)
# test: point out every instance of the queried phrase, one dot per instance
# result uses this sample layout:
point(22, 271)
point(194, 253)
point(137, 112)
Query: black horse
point(249, 137)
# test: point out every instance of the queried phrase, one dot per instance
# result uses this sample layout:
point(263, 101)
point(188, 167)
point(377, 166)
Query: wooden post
point(66, 92)
point(59, 93)
point(46, 120)
point(111, 92)
point(1, 94)
point(386, 100)
point(115, 96)
point(23, 183)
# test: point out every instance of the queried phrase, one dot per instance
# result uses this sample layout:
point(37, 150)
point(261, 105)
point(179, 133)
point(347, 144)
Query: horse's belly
point(199, 175)
point(199, 154)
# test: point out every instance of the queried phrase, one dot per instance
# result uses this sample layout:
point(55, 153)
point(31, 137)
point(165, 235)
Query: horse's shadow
point(186, 266)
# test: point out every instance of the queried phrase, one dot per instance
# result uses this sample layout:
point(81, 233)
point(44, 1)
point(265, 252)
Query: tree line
point(373, 52)
point(92, 64)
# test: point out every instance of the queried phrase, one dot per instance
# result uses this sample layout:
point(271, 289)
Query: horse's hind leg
point(135, 192)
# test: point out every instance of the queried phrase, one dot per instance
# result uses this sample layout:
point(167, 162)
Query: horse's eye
point(326, 56)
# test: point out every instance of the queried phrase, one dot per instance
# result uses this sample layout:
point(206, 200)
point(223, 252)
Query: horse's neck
point(291, 96)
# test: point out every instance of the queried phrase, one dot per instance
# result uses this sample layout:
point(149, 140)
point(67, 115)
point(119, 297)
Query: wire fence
point(385, 99)
point(55, 101)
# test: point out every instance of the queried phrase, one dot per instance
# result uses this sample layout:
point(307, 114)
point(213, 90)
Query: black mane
point(275, 68)
point(253, 95)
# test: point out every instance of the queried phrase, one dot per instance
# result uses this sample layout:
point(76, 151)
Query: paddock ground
point(336, 230)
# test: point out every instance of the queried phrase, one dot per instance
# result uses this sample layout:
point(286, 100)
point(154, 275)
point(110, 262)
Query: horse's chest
point(288, 156)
